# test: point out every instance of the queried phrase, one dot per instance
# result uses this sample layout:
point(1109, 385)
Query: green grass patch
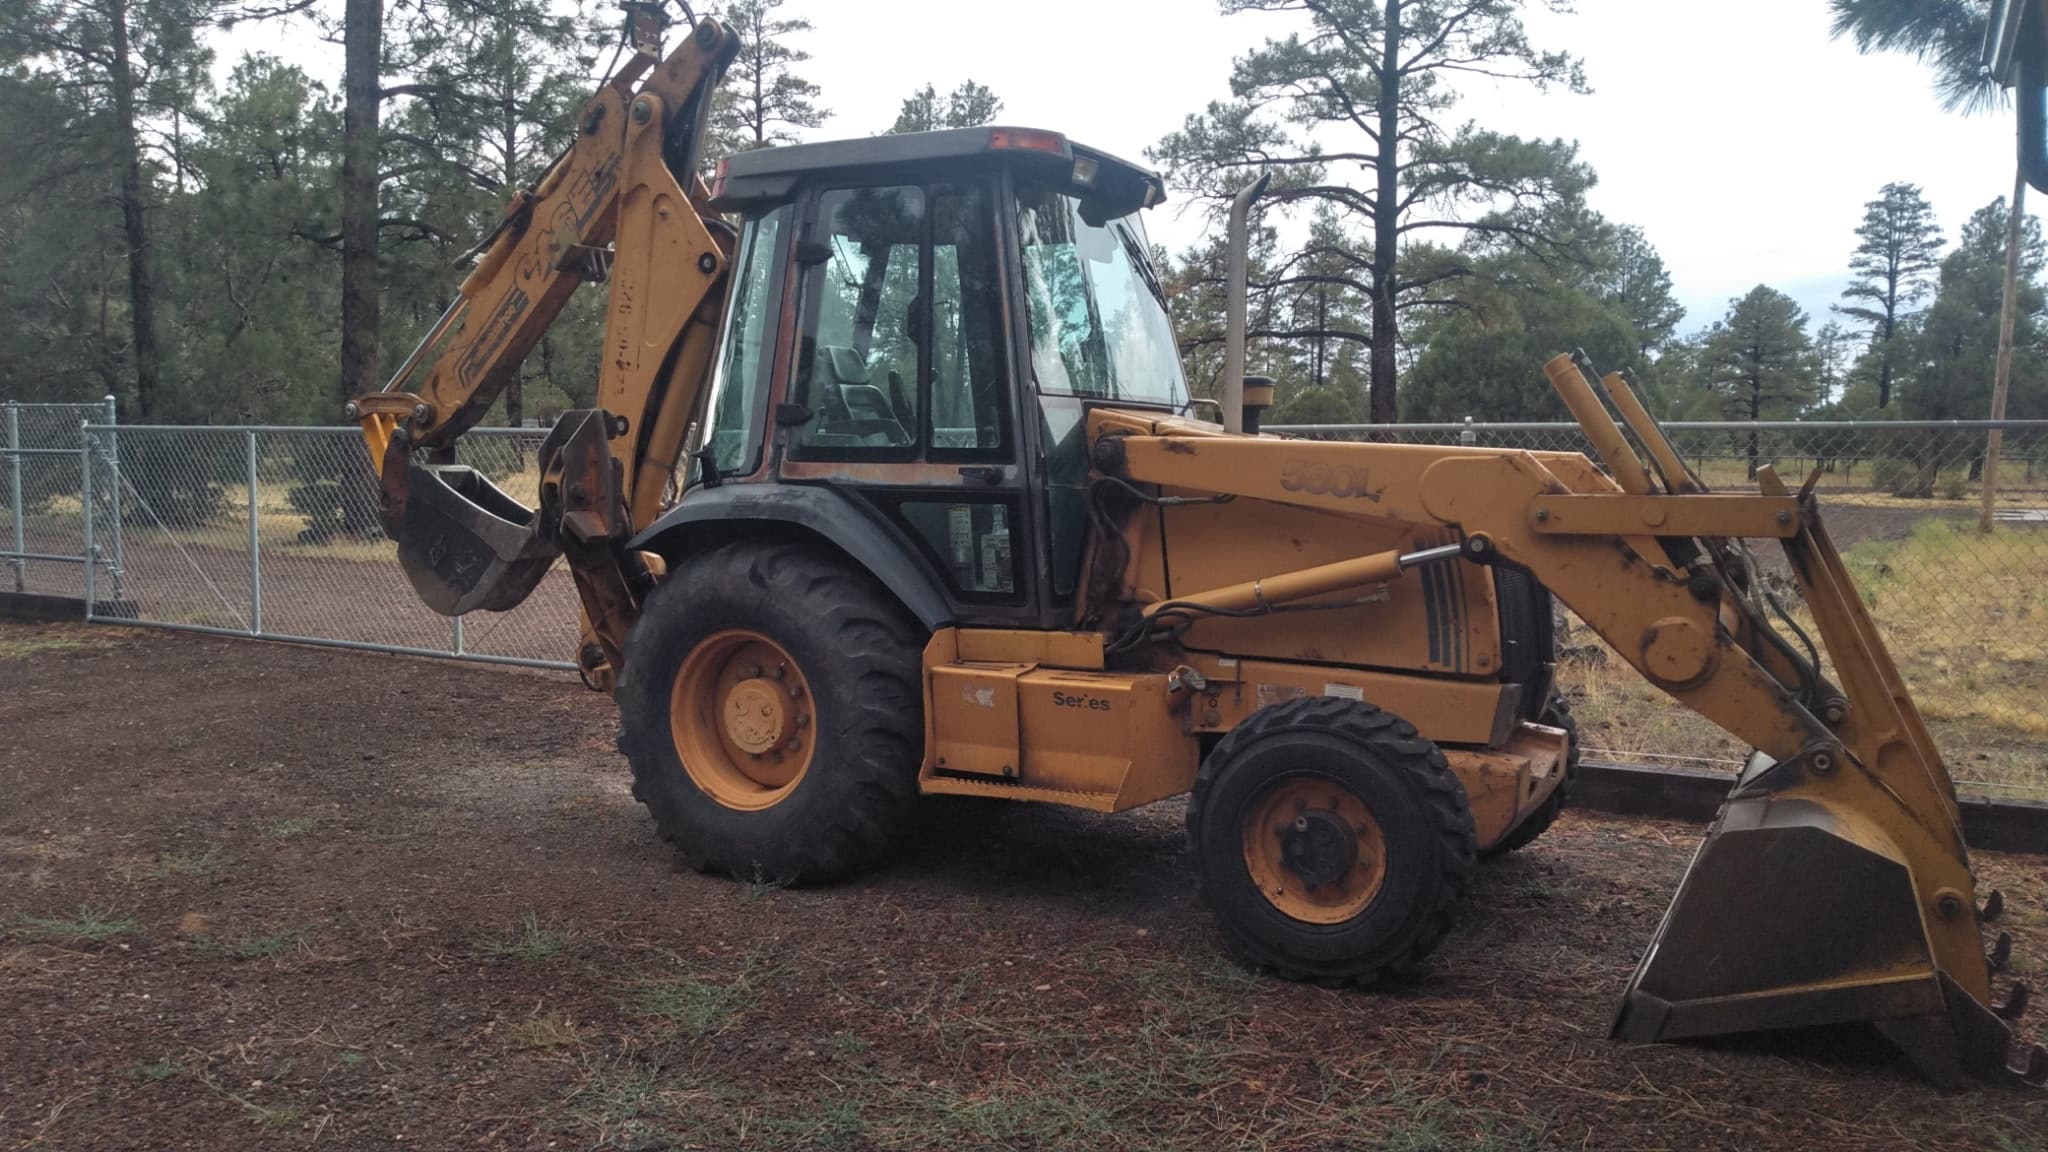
point(252, 947)
point(631, 1104)
point(1049, 1114)
point(260, 947)
point(155, 1071)
point(533, 941)
point(695, 1008)
point(190, 864)
point(294, 826)
point(89, 926)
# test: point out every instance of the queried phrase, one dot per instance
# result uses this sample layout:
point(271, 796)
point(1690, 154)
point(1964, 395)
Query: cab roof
point(771, 174)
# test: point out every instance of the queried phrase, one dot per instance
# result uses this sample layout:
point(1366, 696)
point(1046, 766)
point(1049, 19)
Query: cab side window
point(967, 401)
point(902, 357)
point(740, 376)
point(862, 382)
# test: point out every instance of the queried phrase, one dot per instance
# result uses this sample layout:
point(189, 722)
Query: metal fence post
point(255, 547)
point(18, 562)
point(113, 457)
point(455, 636)
point(85, 508)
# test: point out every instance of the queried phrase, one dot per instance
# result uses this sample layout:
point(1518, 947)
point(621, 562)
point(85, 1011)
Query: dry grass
point(1965, 617)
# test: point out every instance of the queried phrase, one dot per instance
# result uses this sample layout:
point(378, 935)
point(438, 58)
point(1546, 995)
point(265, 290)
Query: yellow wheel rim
point(1314, 850)
point(741, 714)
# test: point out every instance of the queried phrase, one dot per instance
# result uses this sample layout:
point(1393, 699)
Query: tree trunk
point(1385, 238)
point(1756, 409)
point(363, 42)
point(134, 220)
point(2002, 374)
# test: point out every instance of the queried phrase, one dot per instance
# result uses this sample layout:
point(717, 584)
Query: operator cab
point(917, 323)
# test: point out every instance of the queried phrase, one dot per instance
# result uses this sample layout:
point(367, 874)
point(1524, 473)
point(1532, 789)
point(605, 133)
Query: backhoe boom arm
point(621, 204)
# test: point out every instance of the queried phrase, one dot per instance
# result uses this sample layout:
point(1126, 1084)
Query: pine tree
point(763, 101)
point(1357, 112)
point(1641, 285)
point(1761, 362)
point(967, 106)
point(1948, 358)
point(1892, 267)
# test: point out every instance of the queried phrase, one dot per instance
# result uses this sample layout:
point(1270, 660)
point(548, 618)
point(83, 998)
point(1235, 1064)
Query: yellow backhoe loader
point(890, 489)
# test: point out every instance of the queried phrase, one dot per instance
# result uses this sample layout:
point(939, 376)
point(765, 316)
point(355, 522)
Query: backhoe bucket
point(1835, 887)
point(465, 544)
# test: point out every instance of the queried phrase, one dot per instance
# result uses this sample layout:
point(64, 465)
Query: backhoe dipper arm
point(1836, 885)
point(620, 181)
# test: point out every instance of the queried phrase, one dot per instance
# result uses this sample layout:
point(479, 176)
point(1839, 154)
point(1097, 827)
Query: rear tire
point(1556, 714)
point(1267, 825)
point(825, 784)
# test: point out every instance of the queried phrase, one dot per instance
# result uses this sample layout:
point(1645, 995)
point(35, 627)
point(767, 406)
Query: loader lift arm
point(623, 204)
point(1835, 886)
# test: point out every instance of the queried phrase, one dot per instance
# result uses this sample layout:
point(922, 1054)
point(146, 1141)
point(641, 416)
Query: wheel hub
point(1313, 849)
point(756, 716)
point(1318, 847)
point(741, 714)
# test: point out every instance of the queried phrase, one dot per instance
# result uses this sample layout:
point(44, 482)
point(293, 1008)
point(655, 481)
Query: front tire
point(1334, 843)
point(769, 706)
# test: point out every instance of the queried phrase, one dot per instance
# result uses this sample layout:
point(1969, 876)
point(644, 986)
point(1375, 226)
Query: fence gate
point(44, 489)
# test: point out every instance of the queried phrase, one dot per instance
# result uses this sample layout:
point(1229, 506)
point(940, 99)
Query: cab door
point(901, 390)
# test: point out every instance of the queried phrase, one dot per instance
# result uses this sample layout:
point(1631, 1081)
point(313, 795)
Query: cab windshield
point(1099, 327)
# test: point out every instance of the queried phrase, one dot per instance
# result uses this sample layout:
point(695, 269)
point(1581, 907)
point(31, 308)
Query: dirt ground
point(258, 896)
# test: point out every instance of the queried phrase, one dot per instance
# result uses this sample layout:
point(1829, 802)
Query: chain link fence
point(273, 532)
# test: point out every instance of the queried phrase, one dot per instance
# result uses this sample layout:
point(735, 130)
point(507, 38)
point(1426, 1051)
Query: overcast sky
point(1737, 134)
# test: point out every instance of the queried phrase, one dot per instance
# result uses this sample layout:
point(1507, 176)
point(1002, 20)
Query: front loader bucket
point(1835, 887)
point(465, 544)
point(1795, 914)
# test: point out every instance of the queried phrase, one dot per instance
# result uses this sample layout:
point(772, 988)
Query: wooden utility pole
point(2003, 373)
